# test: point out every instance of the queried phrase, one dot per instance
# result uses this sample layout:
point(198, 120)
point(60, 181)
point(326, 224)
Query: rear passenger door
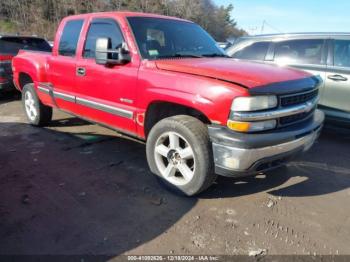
point(309, 55)
point(62, 66)
point(337, 90)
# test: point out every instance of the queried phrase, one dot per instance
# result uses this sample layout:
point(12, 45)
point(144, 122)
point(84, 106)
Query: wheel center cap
point(174, 157)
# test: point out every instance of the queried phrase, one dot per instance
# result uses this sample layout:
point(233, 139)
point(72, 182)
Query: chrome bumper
point(240, 160)
point(265, 152)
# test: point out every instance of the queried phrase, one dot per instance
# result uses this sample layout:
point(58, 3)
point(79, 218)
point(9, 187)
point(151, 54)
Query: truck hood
point(247, 74)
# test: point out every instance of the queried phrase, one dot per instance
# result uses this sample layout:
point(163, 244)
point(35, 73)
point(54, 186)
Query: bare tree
point(41, 17)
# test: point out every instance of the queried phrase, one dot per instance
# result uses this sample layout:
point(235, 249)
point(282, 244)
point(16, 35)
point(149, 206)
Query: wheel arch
point(160, 109)
point(23, 79)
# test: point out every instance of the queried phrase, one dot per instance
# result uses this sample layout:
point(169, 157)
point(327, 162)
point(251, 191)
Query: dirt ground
point(77, 188)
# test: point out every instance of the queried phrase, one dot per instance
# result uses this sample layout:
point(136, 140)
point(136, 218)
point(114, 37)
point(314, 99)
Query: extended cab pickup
point(164, 80)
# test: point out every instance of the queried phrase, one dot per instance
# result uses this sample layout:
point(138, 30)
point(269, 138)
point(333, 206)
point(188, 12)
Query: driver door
point(106, 94)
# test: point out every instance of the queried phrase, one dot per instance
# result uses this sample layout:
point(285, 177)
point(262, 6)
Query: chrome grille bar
point(276, 113)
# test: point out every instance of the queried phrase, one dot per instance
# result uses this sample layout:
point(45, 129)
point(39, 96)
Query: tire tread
point(200, 132)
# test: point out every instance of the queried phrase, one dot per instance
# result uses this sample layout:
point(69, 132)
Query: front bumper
point(237, 154)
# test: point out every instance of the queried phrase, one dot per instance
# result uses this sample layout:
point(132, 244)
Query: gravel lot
point(77, 188)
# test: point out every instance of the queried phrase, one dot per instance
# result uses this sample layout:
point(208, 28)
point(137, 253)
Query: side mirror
point(106, 56)
point(101, 51)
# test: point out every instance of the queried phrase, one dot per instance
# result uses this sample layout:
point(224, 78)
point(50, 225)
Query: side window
point(299, 51)
point(70, 36)
point(256, 51)
point(342, 53)
point(102, 28)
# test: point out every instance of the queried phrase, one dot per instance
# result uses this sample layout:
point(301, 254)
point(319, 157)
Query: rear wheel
point(179, 153)
point(37, 113)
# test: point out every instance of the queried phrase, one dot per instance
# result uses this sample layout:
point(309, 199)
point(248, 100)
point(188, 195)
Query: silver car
point(323, 54)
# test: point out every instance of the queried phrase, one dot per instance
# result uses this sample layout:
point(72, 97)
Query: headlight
point(254, 103)
point(251, 126)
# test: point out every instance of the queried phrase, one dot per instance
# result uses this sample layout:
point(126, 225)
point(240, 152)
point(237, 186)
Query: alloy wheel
point(30, 106)
point(175, 158)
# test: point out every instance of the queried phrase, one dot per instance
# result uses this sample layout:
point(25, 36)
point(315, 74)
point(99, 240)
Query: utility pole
point(263, 26)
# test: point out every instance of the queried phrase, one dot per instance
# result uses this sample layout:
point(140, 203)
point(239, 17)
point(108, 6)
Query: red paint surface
point(4, 57)
point(206, 84)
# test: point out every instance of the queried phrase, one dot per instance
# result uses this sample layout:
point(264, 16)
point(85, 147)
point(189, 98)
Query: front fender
point(211, 97)
point(195, 101)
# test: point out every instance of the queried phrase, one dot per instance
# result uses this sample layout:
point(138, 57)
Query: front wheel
point(179, 153)
point(37, 113)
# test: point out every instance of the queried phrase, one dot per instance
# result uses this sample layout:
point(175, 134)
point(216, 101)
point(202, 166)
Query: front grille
point(295, 118)
point(291, 100)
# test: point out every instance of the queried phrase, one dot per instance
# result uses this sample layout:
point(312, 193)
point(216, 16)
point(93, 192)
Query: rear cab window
point(256, 51)
point(12, 45)
point(69, 38)
point(308, 51)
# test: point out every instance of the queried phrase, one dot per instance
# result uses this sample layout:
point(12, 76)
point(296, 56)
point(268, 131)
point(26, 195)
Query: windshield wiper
point(215, 55)
point(184, 55)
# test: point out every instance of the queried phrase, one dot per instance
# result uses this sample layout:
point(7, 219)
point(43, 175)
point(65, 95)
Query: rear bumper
point(7, 86)
point(6, 76)
point(237, 154)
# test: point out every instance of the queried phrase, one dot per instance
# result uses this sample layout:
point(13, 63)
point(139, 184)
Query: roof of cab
point(125, 14)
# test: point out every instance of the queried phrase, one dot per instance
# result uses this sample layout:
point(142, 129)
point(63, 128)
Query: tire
point(179, 153)
point(36, 112)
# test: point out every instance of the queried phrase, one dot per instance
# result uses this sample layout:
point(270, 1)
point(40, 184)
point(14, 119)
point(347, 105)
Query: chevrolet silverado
point(165, 81)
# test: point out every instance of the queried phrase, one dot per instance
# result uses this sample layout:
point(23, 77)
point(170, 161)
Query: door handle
point(337, 78)
point(81, 71)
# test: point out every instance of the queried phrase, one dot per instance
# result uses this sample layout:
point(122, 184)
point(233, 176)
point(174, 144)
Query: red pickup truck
point(164, 80)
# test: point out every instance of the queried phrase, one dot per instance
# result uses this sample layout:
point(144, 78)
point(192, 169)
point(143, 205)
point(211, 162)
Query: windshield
point(11, 45)
point(165, 38)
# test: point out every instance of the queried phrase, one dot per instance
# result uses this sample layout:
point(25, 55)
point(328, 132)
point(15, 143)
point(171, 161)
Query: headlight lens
point(251, 126)
point(254, 103)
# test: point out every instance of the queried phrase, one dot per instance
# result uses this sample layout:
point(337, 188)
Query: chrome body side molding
point(46, 88)
point(63, 96)
point(106, 108)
